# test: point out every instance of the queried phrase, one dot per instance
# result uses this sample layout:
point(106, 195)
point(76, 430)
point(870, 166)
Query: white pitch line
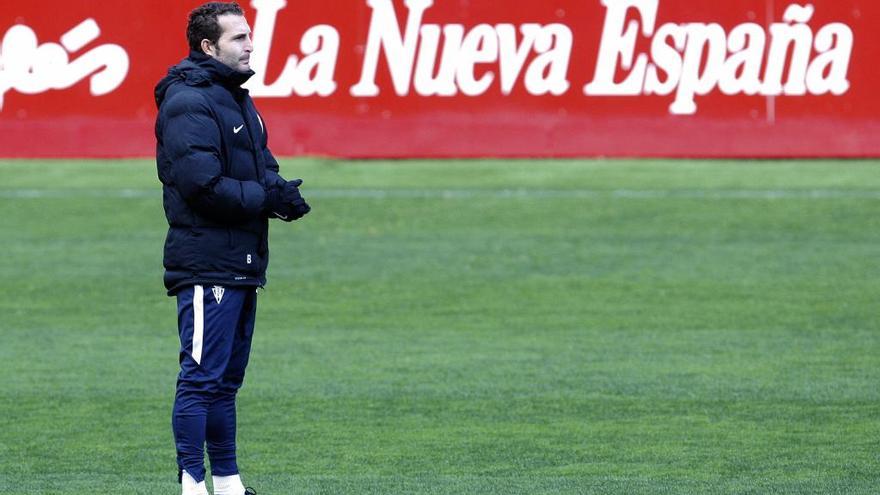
point(454, 194)
point(595, 193)
point(78, 193)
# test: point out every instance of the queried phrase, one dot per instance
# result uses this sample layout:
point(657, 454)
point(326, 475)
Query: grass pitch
point(490, 327)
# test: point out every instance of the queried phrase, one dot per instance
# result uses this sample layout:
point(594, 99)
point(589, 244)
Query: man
point(220, 187)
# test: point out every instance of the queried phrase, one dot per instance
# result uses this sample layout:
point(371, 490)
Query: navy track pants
point(216, 326)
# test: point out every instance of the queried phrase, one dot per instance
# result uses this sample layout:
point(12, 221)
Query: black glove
point(285, 202)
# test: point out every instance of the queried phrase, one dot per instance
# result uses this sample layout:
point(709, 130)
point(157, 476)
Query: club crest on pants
point(218, 293)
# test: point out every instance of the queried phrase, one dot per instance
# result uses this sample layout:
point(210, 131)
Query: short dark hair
point(203, 22)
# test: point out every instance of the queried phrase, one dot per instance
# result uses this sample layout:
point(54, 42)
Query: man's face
point(234, 47)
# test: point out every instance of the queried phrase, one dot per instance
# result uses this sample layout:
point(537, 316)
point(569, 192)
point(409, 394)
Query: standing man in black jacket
point(220, 187)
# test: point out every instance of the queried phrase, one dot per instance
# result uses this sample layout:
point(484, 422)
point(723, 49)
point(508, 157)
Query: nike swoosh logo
point(237, 129)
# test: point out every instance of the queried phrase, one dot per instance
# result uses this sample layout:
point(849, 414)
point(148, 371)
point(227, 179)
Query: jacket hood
point(199, 69)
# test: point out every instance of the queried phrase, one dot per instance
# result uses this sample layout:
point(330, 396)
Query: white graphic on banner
point(32, 68)
point(686, 60)
point(694, 58)
point(416, 48)
point(320, 45)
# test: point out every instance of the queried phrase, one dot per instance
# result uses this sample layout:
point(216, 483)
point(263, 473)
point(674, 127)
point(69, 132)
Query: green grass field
point(485, 327)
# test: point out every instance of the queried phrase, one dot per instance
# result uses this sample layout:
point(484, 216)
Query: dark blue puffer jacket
point(215, 167)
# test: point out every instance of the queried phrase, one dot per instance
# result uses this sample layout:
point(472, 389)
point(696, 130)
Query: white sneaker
point(189, 485)
point(229, 485)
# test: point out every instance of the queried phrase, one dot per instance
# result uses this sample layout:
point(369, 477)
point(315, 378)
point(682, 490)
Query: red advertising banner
point(464, 78)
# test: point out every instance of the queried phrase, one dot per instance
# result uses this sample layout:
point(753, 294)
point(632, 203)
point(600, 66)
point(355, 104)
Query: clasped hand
point(286, 202)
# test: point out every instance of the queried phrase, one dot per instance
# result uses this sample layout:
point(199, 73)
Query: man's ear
point(207, 47)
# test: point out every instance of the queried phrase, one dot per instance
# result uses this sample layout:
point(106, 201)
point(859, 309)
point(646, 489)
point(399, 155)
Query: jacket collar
point(219, 72)
point(199, 69)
